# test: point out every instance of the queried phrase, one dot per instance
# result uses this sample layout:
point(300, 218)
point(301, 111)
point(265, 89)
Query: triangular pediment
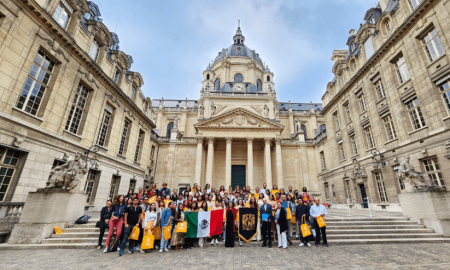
point(239, 118)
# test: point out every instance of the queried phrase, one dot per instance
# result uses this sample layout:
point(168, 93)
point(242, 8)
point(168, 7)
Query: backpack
point(113, 244)
point(83, 219)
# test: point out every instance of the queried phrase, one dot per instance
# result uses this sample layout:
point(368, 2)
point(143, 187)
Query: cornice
point(68, 43)
point(399, 33)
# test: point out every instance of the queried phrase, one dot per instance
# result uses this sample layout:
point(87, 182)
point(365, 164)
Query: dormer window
point(372, 20)
point(62, 15)
point(414, 3)
point(368, 46)
point(117, 75)
point(133, 91)
point(93, 51)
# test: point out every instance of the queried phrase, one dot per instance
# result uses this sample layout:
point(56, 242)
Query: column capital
point(228, 139)
point(211, 140)
point(200, 140)
point(278, 140)
point(250, 140)
point(267, 140)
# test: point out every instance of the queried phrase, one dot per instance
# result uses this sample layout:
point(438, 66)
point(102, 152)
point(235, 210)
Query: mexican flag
point(204, 224)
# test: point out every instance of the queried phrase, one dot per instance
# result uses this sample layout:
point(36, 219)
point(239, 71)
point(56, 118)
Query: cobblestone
point(389, 256)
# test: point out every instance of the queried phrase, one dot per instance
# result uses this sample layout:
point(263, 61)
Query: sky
point(173, 41)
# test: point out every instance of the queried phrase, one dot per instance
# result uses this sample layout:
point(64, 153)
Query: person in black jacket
point(105, 216)
point(282, 225)
point(302, 210)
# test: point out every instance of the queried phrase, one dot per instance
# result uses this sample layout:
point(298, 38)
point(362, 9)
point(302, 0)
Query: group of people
point(280, 214)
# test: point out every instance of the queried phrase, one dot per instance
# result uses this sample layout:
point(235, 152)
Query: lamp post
point(375, 152)
point(93, 149)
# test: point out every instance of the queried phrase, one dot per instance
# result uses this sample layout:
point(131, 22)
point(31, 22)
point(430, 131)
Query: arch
point(217, 84)
point(268, 78)
point(101, 33)
point(258, 85)
point(353, 66)
point(207, 76)
point(322, 128)
point(304, 131)
point(169, 128)
point(136, 77)
point(122, 60)
point(238, 78)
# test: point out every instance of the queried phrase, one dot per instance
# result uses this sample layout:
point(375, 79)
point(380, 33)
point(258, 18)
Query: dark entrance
point(364, 196)
point(237, 176)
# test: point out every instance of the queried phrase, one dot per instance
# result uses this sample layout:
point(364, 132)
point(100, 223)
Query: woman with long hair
point(208, 188)
point(117, 213)
point(239, 205)
point(146, 193)
point(273, 203)
point(189, 241)
point(213, 191)
point(151, 219)
point(230, 225)
point(290, 226)
point(178, 238)
point(282, 227)
point(267, 194)
point(196, 195)
point(203, 207)
point(186, 195)
point(222, 190)
point(130, 194)
point(188, 189)
point(130, 202)
point(154, 190)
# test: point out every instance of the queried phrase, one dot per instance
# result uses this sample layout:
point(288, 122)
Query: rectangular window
point(432, 45)
point(434, 171)
point(8, 163)
point(152, 153)
point(369, 136)
point(389, 127)
point(61, 15)
point(123, 139)
point(401, 69)
point(114, 187)
point(347, 112)
point(415, 114)
point(379, 89)
point(89, 185)
point(327, 191)
point(77, 110)
point(334, 191)
point(117, 74)
point(368, 46)
point(413, 4)
point(132, 92)
point(336, 121)
point(362, 103)
point(380, 185)
point(322, 158)
point(132, 185)
point(445, 90)
point(93, 51)
point(341, 151)
point(36, 83)
point(104, 128)
point(342, 77)
point(354, 145)
point(349, 189)
point(138, 146)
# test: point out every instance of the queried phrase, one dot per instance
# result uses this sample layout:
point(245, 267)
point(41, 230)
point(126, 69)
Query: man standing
point(165, 188)
point(290, 192)
point(302, 211)
point(174, 196)
point(256, 193)
point(248, 190)
point(266, 211)
point(180, 199)
point(316, 211)
point(133, 216)
point(166, 220)
point(236, 198)
point(287, 204)
point(263, 190)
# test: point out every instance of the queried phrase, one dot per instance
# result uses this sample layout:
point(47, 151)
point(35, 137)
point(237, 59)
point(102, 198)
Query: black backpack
point(83, 220)
point(113, 244)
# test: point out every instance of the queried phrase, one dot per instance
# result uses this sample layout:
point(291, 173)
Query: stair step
point(415, 226)
point(353, 223)
point(366, 219)
point(376, 236)
point(388, 241)
point(73, 240)
point(379, 231)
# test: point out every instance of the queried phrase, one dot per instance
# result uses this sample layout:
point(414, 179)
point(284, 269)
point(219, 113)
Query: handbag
point(134, 233)
point(321, 222)
point(306, 231)
point(182, 227)
point(58, 230)
point(97, 224)
point(147, 241)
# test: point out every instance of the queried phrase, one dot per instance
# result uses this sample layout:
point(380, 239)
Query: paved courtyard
point(421, 256)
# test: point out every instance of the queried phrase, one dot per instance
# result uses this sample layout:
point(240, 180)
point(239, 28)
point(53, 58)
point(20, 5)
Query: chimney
point(352, 32)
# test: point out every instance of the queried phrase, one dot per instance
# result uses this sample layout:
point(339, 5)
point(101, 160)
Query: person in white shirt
point(316, 211)
point(263, 190)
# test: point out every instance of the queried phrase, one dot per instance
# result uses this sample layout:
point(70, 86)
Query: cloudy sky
point(172, 42)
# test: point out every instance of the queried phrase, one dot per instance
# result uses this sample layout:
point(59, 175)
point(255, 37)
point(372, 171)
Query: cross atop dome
point(239, 38)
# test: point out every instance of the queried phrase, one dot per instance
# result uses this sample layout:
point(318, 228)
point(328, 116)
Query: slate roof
point(174, 103)
point(238, 50)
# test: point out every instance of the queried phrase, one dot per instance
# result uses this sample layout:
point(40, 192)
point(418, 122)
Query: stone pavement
point(388, 256)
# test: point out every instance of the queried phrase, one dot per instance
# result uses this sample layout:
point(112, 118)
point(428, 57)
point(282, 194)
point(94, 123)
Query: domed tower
point(208, 76)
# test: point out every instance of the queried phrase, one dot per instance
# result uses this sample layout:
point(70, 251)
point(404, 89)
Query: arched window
point(217, 84)
point(238, 78)
point(258, 85)
point(304, 131)
point(322, 128)
point(268, 78)
point(169, 128)
point(207, 76)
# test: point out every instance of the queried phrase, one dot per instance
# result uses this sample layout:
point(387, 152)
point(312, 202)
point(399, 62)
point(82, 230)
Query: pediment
point(239, 118)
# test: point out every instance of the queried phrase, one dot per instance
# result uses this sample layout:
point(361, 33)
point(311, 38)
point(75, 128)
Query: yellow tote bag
point(134, 233)
point(275, 191)
point(237, 216)
point(306, 231)
point(147, 241)
point(167, 232)
point(288, 213)
point(321, 222)
point(293, 220)
point(58, 230)
point(157, 233)
point(182, 227)
point(166, 202)
point(152, 200)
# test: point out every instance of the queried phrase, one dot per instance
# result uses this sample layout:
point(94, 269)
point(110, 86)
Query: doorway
point(237, 176)
point(364, 196)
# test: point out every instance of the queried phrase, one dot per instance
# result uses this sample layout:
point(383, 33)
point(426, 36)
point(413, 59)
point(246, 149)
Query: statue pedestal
point(429, 206)
point(44, 210)
point(174, 134)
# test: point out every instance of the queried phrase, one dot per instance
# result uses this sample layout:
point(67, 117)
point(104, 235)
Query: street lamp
point(377, 163)
point(94, 160)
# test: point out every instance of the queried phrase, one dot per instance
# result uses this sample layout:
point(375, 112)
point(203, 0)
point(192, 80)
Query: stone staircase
point(340, 231)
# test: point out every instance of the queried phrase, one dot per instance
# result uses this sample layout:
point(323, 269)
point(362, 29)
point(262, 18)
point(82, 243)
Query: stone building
point(389, 97)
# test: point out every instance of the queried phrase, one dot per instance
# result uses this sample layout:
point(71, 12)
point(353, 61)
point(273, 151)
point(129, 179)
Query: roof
point(392, 5)
point(284, 106)
point(238, 50)
point(175, 103)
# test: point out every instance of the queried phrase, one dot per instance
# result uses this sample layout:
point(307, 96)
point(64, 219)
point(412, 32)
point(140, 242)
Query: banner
point(203, 224)
point(248, 222)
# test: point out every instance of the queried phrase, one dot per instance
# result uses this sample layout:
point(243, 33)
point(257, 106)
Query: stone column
point(291, 122)
point(228, 163)
point(209, 160)
point(250, 162)
point(280, 177)
point(198, 160)
point(267, 162)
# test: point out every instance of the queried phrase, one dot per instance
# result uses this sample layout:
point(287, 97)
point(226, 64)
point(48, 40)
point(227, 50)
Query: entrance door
point(364, 195)
point(237, 176)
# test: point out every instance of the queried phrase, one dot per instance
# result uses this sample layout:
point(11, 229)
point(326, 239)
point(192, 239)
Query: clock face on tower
point(238, 87)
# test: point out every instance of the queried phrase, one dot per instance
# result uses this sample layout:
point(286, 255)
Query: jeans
point(282, 240)
point(125, 238)
point(165, 243)
point(103, 227)
point(114, 223)
point(302, 239)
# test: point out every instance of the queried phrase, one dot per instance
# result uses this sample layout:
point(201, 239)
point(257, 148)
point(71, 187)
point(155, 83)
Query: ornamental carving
point(258, 109)
point(113, 99)
point(89, 77)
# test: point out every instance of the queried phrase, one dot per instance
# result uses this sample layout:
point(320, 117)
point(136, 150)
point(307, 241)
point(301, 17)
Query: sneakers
point(308, 244)
point(118, 248)
point(105, 250)
point(136, 248)
point(240, 243)
point(156, 247)
point(166, 250)
point(99, 247)
point(301, 245)
point(212, 242)
point(160, 251)
point(142, 251)
point(130, 251)
point(217, 242)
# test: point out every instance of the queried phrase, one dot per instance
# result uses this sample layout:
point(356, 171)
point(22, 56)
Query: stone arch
point(101, 33)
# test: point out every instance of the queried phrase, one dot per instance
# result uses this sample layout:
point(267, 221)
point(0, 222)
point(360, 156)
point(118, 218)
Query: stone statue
point(67, 176)
point(266, 111)
point(176, 120)
point(202, 110)
point(213, 109)
point(276, 110)
point(406, 172)
point(298, 125)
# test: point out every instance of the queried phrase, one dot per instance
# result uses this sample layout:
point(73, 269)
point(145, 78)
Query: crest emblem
point(204, 224)
point(239, 118)
point(248, 222)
